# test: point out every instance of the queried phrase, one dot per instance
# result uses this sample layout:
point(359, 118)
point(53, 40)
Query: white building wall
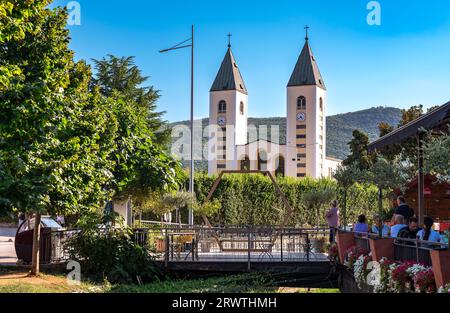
point(236, 128)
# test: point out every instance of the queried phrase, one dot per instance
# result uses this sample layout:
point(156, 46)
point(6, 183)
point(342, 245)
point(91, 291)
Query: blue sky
point(405, 61)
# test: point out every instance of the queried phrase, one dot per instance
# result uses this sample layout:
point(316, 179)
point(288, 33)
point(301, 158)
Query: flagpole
point(191, 177)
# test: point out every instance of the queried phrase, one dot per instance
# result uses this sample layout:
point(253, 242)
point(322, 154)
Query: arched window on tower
point(321, 104)
point(241, 108)
point(222, 106)
point(301, 103)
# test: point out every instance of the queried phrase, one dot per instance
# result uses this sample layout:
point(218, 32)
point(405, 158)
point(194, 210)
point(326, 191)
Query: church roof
point(229, 77)
point(306, 71)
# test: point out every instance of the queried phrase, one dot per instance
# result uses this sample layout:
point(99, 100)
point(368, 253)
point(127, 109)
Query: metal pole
point(420, 182)
point(191, 177)
point(380, 210)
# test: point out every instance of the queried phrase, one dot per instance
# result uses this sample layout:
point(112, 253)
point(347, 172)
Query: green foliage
point(231, 283)
point(436, 155)
point(359, 155)
point(208, 208)
point(317, 200)
point(105, 250)
point(120, 75)
point(252, 199)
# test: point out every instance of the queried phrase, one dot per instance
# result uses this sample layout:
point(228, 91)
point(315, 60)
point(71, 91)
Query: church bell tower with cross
point(305, 121)
point(228, 113)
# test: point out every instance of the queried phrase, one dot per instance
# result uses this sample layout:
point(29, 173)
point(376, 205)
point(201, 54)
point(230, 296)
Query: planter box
point(344, 241)
point(380, 248)
point(440, 259)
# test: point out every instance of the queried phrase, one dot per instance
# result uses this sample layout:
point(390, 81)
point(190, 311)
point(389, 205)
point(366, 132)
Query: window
point(222, 106)
point(301, 103)
point(301, 155)
point(301, 165)
point(301, 174)
point(301, 145)
point(301, 136)
point(221, 165)
point(241, 108)
point(279, 171)
point(262, 161)
point(321, 104)
point(245, 163)
point(302, 126)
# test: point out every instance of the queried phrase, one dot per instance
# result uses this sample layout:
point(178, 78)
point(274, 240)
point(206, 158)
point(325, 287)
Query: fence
point(404, 249)
point(53, 246)
point(415, 250)
point(235, 244)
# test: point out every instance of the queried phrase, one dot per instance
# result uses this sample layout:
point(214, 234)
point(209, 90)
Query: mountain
point(339, 127)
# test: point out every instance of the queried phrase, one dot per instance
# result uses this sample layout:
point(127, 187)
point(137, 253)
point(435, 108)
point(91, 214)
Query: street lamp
point(182, 45)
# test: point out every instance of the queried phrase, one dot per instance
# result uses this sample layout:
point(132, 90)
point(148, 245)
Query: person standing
point(332, 218)
point(403, 209)
point(22, 218)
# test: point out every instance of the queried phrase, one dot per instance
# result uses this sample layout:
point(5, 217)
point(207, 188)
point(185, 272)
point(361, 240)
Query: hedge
point(251, 199)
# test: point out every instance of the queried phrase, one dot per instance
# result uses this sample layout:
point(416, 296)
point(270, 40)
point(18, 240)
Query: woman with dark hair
point(361, 226)
point(427, 233)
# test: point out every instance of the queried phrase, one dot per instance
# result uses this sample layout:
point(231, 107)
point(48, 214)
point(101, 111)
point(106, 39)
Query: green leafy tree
point(347, 176)
point(55, 137)
point(387, 175)
point(121, 76)
point(436, 155)
point(316, 200)
point(359, 154)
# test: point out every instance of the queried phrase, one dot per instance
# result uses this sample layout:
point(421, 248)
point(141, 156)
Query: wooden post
point(166, 257)
point(248, 249)
point(281, 241)
point(36, 243)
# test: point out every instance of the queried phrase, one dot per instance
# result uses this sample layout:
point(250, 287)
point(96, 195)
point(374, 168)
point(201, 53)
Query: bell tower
point(228, 112)
point(306, 123)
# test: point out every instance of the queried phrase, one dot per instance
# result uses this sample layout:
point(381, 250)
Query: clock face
point(301, 117)
point(221, 120)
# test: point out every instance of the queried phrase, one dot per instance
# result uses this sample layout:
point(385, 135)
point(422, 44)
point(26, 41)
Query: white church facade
point(233, 145)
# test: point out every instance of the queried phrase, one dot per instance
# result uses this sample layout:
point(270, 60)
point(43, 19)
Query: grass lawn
point(17, 281)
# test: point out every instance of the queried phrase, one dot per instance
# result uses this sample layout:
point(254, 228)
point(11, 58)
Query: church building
point(233, 145)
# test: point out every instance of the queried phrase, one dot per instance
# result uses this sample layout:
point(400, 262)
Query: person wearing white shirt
point(399, 224)
point(427, 233)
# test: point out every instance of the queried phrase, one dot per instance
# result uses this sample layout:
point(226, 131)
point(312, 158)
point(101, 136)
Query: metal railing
point(405, 249)
point(235, 244)
point(53, 246)
point(416, 250)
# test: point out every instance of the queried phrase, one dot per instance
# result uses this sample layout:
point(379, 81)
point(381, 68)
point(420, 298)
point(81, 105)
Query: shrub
point(105, 250)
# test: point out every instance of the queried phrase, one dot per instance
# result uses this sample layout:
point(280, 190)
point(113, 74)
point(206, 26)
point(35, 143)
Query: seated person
point(427, 233)
point(410, 231)
point(399, 223)
point(361, 226)
point(379, 223)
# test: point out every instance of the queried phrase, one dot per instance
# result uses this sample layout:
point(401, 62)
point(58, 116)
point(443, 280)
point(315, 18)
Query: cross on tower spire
point(306, 28)
point(229, 39)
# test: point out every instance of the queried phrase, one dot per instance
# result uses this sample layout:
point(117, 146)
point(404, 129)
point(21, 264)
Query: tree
point(316, 199)
point(121, 76)
point(347, 176)
point(436, 155)
point(55, 136)
point(358, 147)
point(386, 175)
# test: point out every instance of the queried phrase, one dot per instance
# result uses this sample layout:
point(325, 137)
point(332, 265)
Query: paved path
point(7, 250)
